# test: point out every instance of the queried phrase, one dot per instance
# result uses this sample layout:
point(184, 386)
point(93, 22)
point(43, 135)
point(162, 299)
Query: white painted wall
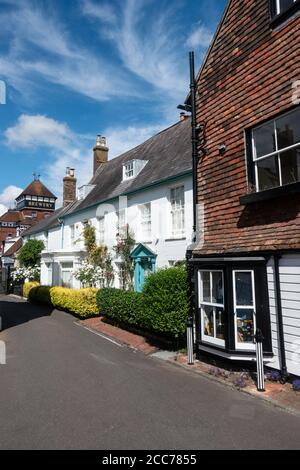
point(61, 249)
point(289, 271)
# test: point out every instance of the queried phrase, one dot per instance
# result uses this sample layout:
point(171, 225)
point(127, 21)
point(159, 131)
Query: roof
point(11, 216)
point(14, 248)
point(213, 41)
point(37, 188)
point(168, 154)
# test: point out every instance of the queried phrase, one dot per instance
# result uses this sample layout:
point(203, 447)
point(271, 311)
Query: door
point(144, 267)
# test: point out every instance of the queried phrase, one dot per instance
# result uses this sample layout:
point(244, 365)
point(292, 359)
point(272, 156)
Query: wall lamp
point(222, 149)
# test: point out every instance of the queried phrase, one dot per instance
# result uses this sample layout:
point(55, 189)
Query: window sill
point(173, 239)
point(269, 194)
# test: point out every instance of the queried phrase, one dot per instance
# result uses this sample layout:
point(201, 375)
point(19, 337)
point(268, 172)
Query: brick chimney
point(100, 152)
point(69, 186)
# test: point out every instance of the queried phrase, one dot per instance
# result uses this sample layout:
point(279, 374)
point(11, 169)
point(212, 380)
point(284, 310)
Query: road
point(64, 387)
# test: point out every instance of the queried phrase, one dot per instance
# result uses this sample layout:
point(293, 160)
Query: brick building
point(34, 204)
point(247, 259)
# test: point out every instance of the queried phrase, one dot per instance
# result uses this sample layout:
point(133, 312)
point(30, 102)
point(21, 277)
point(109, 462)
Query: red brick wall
point(247, 78)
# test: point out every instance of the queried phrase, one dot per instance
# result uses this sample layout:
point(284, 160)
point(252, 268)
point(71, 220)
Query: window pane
point(285, 5)
point(208, 320)
point(264, 139)
point(268, 173)
point(245, 325)
point(243, 288)
point(205, 286)
point(217, 288)
point(220, 323)
point(288, 129)
point(290, 166)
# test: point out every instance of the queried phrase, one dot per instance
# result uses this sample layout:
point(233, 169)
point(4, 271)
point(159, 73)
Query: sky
point(72, 69)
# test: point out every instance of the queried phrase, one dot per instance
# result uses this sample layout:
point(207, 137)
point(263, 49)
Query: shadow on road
point(14, 312)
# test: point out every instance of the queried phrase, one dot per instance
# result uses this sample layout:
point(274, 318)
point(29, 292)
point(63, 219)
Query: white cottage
point(149, 188)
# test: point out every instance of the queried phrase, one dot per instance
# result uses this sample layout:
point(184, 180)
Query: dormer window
point(281, 10)
point(132, 168)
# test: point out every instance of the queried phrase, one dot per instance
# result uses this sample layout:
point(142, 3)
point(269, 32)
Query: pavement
point(65, 387)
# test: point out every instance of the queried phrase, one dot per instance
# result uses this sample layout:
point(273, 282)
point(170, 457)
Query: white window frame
point(214, 305)
point(177, 233)
point(72, 234)
point(239, 345)
point(145, 222)
point(101, 229)
point(277, 153)
point(129, 170)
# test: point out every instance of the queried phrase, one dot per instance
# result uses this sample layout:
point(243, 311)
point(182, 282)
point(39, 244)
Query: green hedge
point(161, 308)
point(82, 302)
point(166, 301)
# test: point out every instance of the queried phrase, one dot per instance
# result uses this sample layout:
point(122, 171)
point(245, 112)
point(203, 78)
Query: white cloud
point(148, 49)
point(200, 37)
point(66, 148)
point(103, 12)
point(38, 130)
point(60, 59)
point(7, 198)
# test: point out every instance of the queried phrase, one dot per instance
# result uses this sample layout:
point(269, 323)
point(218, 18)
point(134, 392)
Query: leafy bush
point(40, 294)
point(30, 253)
point(82, 302)
point(166, 302)
point(274, 376)
point(162, 307)
point(121, 306)
point(27, 288)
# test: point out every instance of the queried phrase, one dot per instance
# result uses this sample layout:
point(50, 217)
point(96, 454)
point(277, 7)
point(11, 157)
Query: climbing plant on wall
point(123, 248)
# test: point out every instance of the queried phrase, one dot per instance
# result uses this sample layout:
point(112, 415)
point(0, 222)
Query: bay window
point(276, 151)
point(212, 307)
point(244, 309)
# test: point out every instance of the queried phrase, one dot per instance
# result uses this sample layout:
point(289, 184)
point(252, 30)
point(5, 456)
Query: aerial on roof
point(37, 188)
point(168, 154)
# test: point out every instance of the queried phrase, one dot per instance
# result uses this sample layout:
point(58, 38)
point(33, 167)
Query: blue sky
point(76, 68)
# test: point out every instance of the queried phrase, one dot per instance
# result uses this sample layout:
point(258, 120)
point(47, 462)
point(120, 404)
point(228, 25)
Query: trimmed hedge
point(121, 306)
point(82, 302)
point(28, 286)
point(166, 301)
point(161, 308)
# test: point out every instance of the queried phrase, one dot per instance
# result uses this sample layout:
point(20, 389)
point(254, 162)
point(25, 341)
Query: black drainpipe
point(194, 141)
point(279, 317)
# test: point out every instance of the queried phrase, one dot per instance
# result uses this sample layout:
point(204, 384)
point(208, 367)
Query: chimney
point(69, 186)
point(100, 152)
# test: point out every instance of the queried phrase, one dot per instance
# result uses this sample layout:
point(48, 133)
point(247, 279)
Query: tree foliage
point(30, 253)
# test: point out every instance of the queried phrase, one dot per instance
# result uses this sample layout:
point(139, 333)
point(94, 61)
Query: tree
point(124, 247)
point(30, 253)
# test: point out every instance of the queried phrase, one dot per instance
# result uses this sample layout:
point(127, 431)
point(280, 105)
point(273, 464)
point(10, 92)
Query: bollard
point(260, 361)
point(190, 341)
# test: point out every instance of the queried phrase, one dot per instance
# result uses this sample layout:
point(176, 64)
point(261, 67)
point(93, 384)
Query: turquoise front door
point(144, 263)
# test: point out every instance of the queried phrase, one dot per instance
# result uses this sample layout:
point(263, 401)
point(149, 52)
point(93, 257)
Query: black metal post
point(260, 361)
point(283, 364)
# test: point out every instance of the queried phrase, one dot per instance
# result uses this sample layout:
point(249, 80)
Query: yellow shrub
point(79, 301)
point(28, 286)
